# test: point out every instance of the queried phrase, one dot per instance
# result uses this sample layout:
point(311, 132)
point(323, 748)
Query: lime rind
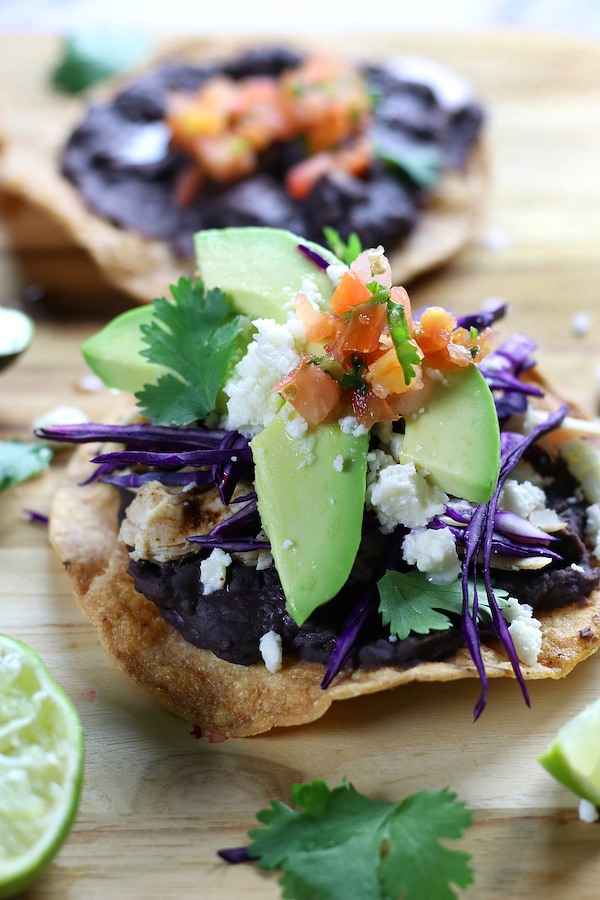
point(41, 766)
point(573, 757)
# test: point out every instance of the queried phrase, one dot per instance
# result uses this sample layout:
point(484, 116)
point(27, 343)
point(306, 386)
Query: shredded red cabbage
point(501, 370)
point(138, 437)
point(236, 855)
point(482, 320)
point(186, 458)
point(37, 517)
point(243, 521)
point(479, 537)
point(316, 258)
point(226, 476)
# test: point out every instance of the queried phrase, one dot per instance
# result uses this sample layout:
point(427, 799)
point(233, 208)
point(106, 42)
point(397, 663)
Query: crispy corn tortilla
point(144, 268)
point(236, 700)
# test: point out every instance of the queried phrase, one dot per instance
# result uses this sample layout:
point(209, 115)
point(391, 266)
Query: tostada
point(319, 497)
point(294, 139)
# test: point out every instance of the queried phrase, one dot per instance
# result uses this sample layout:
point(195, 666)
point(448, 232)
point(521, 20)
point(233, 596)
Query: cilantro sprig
point(342, 845)
point(409, 602)
point(20, 460)
point(195, 338)
point(405, 351)
point(346, 252)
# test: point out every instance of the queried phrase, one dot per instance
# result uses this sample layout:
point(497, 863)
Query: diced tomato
point(356, 158)
point(414, 399)
point(301, 178)
point(317, 326)
point(387, 375)
point(400, 296)
point(312, 392)
point(370, 409)
point(435, 329)
point(187, 184)
point(226, 157)
point(361, 333)
point(349, 293)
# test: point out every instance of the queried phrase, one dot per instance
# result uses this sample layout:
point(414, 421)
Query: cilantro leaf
point(409, 602)
point(20, 460)
point(379, 293)
point(89, 58)
point(192, 338)
point(423, 165)
point(345, 846)
point(346, 252)
point(405, 351)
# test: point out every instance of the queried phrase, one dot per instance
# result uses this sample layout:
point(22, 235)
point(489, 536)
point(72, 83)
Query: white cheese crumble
point(296, 427)
point(338, 463)
point(213, 571)
point(252, 403)
point(580, 324)
point(287, 544)
point(335, 272)
point(587, 811)
point(350, 425)
point(524, 630)
point(521, 498)
point(400, 495)
point(432, 551)
point(270, 650)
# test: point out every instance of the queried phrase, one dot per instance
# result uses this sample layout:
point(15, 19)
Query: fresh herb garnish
point(423, 165)
point(355, 379)
point(346, 252)
point(342, 845)
point(89, 58)
point(409, 602)
point(406, 352)
point(473, 333)
point(20, 460)
point(194, 338)
point(379, 293)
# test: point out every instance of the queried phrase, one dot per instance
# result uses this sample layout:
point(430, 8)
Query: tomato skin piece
point(387, 375)
point(370, 409)
point(317, 326)
point(312, 392)
point(349, 293)
point(362, 332)
point(400, 296)
point(435, 329)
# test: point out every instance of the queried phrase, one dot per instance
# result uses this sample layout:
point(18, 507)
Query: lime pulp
point(41, 766)
point(573, 757)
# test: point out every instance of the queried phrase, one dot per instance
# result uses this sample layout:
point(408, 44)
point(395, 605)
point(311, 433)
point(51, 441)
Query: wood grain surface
point(158, 803)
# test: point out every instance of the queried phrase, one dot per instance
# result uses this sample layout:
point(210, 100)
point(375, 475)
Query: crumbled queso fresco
point(213, 571)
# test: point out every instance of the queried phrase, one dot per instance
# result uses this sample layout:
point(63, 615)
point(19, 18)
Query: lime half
point(41, 766)
point(573, 757)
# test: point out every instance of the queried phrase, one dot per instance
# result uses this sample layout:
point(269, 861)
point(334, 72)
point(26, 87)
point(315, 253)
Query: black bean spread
point(130, 170)
point(231, 621)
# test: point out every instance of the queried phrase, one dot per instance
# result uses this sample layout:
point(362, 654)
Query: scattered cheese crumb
point(296, 427)
point(350, 425)
point(338, 463)
point(432, 551)
point(581, 324)
point(592, 526)
point(521, 498)
point(90, 384)
point(577, 568)
point(497, 240)
point(59, 415)
point(270, 650)
point(213, 571)
point(400, 495)
point(587, 811)
point(524, 630)
point(287, 544)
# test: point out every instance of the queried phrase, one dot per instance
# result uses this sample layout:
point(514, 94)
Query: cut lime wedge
point(41, 766)
point(573, 757)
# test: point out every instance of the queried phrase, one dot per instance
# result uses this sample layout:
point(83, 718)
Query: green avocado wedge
point(260, 269)
point(114, 352)
point(457, 437)
point(311, 512)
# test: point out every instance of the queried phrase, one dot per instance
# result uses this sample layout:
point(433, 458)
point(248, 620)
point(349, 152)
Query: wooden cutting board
point(157, 802)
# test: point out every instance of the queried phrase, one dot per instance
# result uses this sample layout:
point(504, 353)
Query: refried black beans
point(382, 206)
point(231, 621)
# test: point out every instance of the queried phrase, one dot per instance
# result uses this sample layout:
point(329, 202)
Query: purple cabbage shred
point(236, 855)
point(37, 517)
point(316, 258)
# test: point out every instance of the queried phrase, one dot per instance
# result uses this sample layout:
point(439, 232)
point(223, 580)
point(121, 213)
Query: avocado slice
point(311, 512)
point(114, 352)
point(260, 269)
point(457, 437)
